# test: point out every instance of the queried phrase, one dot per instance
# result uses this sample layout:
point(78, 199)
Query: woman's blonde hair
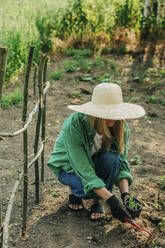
point(100, 126)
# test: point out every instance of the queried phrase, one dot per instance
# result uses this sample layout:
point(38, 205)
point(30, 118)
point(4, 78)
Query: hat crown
point(107, 94)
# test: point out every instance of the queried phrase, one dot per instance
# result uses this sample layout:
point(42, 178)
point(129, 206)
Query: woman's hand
point(126, 197)
point(117, 209)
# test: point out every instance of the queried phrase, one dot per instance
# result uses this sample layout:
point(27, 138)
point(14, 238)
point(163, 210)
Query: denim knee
point(107, 165)
point(107, 161)
point(111, 161)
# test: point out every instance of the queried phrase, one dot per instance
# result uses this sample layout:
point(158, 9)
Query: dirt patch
point(51, 224)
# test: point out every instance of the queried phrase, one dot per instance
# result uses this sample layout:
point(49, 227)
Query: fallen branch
point(12, 134)
point(11, 201)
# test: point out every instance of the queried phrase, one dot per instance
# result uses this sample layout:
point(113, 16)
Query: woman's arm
point(103, 193)
point(123, 185)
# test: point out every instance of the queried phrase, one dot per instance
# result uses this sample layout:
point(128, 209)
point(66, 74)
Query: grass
point(57, 75)
point(15, 98)
point(18, 29)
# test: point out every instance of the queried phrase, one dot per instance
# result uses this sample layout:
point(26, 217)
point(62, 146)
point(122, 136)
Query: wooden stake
point(25, 139)
point(12, 134)
point(11, 201)
point(43, 121)
point(3, 62)
point(0, 220)
point(34, 80)
point(38, 124)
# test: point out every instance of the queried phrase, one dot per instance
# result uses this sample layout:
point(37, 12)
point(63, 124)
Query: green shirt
point(72, 152)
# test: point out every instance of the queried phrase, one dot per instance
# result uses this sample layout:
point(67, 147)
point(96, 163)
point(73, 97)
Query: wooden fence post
point(3, 62)
point(43, 120)
point(0, 220)
point(25, 139)
point(38, 125)
point(34, 80)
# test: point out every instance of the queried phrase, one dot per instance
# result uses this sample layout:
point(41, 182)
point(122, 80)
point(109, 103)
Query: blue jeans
point(107, 165)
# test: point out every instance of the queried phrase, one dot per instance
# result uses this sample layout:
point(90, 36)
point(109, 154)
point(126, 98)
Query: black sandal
point(97, 208)
point(74, 200)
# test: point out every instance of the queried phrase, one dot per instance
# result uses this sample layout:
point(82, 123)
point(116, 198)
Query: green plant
point(77, 53)
point(119, 82)
point(45, 26)
point(75, 94)
point(154, 245)
point(163, 103)
point(137, 131)
point(135, 99)
point(163, 93)
point(100, 63)
point(112, 64)
point(87, 78)
point(55, 194)
point(13, 99)
point(104, 79)
point(159, 84)
point(157, 205)
point(162, 182)
point(70, 66)
point(135, 161)
point(152, 99)
point(162, 224)
point(74, 19)
point(132, 204)
point(84, 65)
point(56, 75)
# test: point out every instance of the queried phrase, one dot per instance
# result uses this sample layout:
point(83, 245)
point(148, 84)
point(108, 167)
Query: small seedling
point(162, 224)
point(157, 205)
point(87, 78)
point(162, 182)
point(150, 134)
point(55, 194)
point(133, 204)
point(135, 99)
point(154, 245)
point(75, 94)
point(137, 131)
point(70, 66)
point(135, 160)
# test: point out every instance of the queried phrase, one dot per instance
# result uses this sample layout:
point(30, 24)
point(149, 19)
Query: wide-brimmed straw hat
point(107, 103)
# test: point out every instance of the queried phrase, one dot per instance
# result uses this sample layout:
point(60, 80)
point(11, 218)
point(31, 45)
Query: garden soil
point(51, 224)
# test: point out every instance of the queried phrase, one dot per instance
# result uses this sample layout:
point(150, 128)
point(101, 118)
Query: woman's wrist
point(103, 193)
point(123, 185)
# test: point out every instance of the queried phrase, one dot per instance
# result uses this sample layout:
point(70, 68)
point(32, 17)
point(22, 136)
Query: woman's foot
point(97, 212)
point(75, 203)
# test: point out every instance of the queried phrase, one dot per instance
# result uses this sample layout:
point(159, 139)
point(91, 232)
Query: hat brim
point(120, 111)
